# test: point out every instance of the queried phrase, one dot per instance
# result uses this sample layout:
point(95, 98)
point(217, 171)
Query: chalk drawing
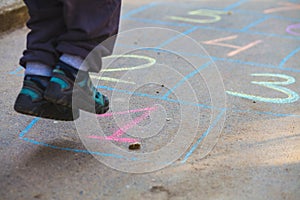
point(290, 29)
point(210, 16)
point(151, 62)
point(214, 16)
point(289, 56)
point(238, 49)
point(292, 96)
point(214, 28)
point(18, 71)
point(285, 6)
point(116, 136)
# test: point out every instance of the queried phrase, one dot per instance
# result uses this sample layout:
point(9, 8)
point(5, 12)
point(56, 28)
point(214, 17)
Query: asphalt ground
point(210, 91)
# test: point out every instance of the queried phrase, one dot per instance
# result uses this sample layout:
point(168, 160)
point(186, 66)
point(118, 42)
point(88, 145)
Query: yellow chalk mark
point(213, 14)
point(151, 61)
point(111, 79)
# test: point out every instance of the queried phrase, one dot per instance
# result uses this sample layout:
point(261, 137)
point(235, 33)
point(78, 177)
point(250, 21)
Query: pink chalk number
point(117, 135)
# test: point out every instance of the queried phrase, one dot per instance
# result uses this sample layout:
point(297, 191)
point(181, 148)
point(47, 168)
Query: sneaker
point(65, 85)
point(30, 101)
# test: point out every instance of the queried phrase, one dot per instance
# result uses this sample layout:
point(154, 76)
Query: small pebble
point(135, 146)
point(156, 189)
point(168, 119)
point(37, 196)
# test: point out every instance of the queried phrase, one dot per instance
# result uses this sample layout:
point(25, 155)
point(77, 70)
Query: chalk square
point(193, 14)
point(262, 53)
point(275, 25)
point(276, 8)
point(136, 33)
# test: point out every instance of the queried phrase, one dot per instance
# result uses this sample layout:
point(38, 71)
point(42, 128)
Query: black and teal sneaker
point(73, 88)
point(31, 101)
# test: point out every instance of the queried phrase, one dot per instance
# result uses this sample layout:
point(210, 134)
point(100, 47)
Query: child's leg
point(46, 24)
point(88, 23)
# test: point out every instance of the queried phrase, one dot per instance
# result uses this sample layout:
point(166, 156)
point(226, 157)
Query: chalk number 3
point(278, 86)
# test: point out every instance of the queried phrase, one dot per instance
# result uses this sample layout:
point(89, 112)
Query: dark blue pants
point(70, 26)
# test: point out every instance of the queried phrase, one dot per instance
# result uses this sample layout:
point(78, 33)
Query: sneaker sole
point(44, 109)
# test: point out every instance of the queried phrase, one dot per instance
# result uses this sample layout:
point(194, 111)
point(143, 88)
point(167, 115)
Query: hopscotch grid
point(204, 106)
point(243, 30)
point(263, 18)
point(222, 110)
point(257, 14)
point(286, 59)
point(235, 5)
point(255, 23)
point(201, 138)
point(270, 16)
point(28, 127)
point(230, 60)
point(186, 78)
point(139, 10)
point(37, 119)
point(172, 39)
point(159, 22)
point(130, 14)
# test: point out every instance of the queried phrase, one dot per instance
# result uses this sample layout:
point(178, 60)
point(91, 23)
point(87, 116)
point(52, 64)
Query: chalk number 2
point(278, 86)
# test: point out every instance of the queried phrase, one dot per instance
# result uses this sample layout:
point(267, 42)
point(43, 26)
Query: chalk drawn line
point(116, 136)
point(33, 141)
point(226, 59)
